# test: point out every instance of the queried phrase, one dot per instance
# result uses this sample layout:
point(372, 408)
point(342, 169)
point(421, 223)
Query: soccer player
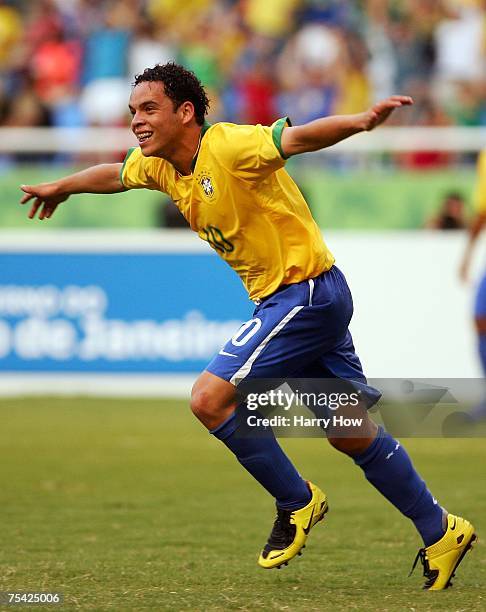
point(476, 226)
point(230, 184)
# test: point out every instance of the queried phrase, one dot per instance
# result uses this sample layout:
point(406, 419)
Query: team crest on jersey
point(207, 185)
point(206, 182)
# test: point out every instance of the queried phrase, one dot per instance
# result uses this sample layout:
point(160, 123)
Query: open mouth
point(144, 136)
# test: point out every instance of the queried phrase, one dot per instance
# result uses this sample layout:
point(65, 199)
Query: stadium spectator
point(10, 31)
point(168, 14)
point(272, 19)
point(381, 68)
point(82, 16)
point(355, 86)
point(200, 51)
point(168, 215)
point(459, 40)
point(42, 22)
point(308, 70)
point(106, 52)
point(148, 47)
point(468, 105)
point(451, 214)
point(26, 110)
point(414, 53)
point(55, 67)
point(257, 94)
point(103, 94)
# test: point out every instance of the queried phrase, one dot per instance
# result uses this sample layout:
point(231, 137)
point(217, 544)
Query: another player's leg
point(478, 413)
point(300, 505)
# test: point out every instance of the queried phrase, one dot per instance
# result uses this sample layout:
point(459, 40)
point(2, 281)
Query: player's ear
point(187, 111)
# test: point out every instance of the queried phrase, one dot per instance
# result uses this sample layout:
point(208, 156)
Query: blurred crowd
point(71, 62)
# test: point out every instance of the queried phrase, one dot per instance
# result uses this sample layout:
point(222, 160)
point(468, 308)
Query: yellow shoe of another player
point(291, 529)
point(441, 559)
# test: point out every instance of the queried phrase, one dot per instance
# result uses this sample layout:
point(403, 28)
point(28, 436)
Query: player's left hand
point(380, 111)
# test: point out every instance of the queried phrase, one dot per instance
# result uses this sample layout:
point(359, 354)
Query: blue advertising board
point(116, 312)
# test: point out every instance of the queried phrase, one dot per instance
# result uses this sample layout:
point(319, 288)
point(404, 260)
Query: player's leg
point(300, 504)
point(214, 403)
point(479, 412)
point(280, 338)
point(388, 467)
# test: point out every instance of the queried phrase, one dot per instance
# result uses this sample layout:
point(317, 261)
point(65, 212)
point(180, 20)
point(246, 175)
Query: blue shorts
point(300, 331)
point(480, 302)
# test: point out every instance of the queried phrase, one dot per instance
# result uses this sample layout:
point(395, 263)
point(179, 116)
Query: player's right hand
point(46, 199)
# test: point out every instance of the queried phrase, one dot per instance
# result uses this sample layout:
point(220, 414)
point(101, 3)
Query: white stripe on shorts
point(245, 369)
point(311, 290)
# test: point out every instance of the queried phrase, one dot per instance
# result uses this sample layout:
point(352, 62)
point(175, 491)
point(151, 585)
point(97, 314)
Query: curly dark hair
point(180, 86)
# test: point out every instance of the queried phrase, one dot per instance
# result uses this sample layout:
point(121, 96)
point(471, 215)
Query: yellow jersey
point(240, 199)
point(480, 191)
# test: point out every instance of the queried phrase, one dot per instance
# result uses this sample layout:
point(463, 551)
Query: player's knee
point(202, 404)
point(349, 446)
point(212, 400)
point(356, 439)
point(210, 408)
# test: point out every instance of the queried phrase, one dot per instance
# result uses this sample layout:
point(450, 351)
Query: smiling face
point(157, 125)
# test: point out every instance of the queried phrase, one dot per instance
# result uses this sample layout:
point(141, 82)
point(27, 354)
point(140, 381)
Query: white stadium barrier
point(114, 140)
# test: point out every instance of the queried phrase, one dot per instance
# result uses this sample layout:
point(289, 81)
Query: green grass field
point(131, 505)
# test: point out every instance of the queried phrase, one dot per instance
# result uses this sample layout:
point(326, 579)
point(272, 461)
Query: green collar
point(204, 129)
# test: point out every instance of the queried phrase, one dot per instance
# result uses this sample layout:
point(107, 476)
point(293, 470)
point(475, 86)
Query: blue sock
point(265, 460)
point(389, 469)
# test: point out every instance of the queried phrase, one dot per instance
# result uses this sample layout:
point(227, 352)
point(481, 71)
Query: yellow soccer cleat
point(291, 529)
point(441, 559)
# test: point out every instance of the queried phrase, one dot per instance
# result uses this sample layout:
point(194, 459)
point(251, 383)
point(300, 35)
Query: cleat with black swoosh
point(291, 529)
point(441, 559)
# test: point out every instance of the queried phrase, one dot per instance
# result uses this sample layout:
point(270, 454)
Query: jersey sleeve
point(480, 191)
point(137, 171)
point(253, 152)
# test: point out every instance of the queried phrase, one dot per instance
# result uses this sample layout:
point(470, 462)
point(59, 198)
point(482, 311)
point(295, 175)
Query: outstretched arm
point(104, 178)
point(327, 131)
point(479, 220)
